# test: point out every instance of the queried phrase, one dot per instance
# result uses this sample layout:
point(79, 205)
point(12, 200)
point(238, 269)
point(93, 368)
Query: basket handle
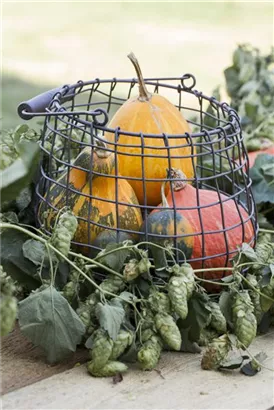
point(39, 103)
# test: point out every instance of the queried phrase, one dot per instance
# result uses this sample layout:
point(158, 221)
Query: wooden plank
point(23, 364)
point(179, 383)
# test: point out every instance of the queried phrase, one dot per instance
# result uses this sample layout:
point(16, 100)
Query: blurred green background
point(50, 44)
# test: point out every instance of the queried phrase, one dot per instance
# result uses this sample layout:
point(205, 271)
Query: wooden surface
point(23, 364)
point(178, 383)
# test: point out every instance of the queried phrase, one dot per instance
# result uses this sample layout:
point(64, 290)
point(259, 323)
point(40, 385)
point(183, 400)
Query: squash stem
point(144, 95)
point(165, 204)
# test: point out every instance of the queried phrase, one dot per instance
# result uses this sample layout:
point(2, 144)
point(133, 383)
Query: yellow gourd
point(150, 114)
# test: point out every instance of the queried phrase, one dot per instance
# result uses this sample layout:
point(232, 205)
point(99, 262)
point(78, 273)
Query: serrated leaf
point(19, 268)
point(187, 345)
point(10, 217)
point(89, 342)
point(130, 356)
point(128, 296)
point(15, 177)
point(198, 315)
point(232, 338)
point(233, 363)
point(225, 303)
point(114, 260)
point(110, 316)
point(48, 320)
point(23, 199)
point(262, 183)
point(35, 251)
point(249, 252)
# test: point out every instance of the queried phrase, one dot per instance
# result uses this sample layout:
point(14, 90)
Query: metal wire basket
point(76, 116)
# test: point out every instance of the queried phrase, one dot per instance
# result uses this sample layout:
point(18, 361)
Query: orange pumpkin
point(65, 191)
point(93, 178)
point(214, 246)
point(150, 114)
point(101, 211)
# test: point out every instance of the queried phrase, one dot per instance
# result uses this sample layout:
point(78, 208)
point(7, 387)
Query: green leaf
point(249, 252)
point(110, 316)
point(35, 251)
point(47, 319)
point(225, 303)
point(232, 81)
point(10, 217)
point(18, 175)
point(262, 181)
point(23, 199)
point(234, 363)
point(128, 296)
point(13, 261)
point(198, 315)
point(188, 345)
point(114, 260)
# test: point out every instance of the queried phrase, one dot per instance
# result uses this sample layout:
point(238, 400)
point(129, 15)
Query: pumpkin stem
point(179, 179)
point(163, 195)
point(144, 95)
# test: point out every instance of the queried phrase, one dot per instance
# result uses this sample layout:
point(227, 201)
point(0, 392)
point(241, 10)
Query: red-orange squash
point(253, 155)
point(150, 114)
point(214, 247)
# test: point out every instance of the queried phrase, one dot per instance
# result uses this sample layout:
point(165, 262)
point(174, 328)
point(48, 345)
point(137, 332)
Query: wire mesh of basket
point(76, 119)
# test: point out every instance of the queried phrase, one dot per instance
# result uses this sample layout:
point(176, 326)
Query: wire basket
point(76, 117)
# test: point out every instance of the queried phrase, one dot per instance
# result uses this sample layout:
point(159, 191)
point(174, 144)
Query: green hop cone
point(264, 253)
point(255, 296)
point(110, 369)
point(84, 314)
point(69, 221)
point(131, 270)
point(218, 321)
point(159, 302)
point(101, 349)
point(169, 331)
point(216, 352)
point(149, 354)
point(61, 240)
point(113, 284)
point(144, 265)
point(147, 334)
point(123, 341)
point(241, 305)
point(186, 272)
point(7, 284)
point(70, 291)
point(8, 311)
point(148, 319)
point(177, 292)
point(206, 335)
point(245, 329)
